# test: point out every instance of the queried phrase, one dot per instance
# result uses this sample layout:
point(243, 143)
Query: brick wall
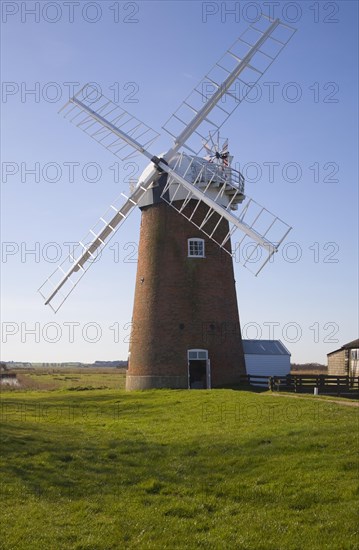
point(182, 303)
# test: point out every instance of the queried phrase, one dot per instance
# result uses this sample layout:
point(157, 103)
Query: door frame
point(194, 355)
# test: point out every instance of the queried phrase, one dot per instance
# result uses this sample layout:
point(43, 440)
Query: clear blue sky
point(155, 53)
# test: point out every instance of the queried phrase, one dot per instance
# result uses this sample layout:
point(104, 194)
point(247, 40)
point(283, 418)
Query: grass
point(106, 469)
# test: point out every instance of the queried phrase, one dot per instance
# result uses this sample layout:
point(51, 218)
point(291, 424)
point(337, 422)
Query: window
point(197, 354)
point(195, 248)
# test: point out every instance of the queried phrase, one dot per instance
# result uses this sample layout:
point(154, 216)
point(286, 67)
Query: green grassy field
point(70, 379)
point(106, 469)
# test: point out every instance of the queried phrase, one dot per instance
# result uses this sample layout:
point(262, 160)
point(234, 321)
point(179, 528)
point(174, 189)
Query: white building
point(266, 358)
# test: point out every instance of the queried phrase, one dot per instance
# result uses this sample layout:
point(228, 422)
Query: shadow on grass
point(252, 389)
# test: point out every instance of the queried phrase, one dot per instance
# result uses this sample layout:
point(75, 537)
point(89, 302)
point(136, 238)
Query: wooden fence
point(305, 383)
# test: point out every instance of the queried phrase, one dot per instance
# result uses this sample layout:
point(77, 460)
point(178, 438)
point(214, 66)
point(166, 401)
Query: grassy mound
point(105, 469)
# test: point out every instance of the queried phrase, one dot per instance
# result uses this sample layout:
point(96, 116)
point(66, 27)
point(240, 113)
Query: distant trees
point(116, 364)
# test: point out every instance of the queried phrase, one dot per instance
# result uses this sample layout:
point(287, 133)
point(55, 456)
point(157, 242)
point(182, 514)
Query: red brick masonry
point(182, 303)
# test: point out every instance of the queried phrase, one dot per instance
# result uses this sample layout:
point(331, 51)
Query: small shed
point(345, 360)
point(266, 358)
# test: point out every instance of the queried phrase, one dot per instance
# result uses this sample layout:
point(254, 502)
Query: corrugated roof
point(350, 345)
point(264, 347)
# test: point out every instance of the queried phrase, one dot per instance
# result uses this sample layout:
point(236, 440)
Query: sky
point(296, 144)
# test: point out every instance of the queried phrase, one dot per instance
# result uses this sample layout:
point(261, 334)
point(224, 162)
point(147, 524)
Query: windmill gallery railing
point(304, 383)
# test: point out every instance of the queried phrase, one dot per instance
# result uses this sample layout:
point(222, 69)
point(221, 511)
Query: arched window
point(196, 248)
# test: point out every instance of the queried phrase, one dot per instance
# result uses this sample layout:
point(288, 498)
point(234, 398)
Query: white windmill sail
point(98, 116)
point(124, 136)
point(227, 84)
point(59, 285)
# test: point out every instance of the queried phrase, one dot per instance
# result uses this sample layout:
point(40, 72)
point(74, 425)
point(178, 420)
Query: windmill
point(185, 325)
point(217, 153)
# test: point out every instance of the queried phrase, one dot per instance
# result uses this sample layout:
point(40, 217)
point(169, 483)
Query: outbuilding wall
point(337, 363)
point(267, 365)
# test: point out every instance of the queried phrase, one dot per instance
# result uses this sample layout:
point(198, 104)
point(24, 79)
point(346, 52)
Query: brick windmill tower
point(185, 326)
point(186, 330)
